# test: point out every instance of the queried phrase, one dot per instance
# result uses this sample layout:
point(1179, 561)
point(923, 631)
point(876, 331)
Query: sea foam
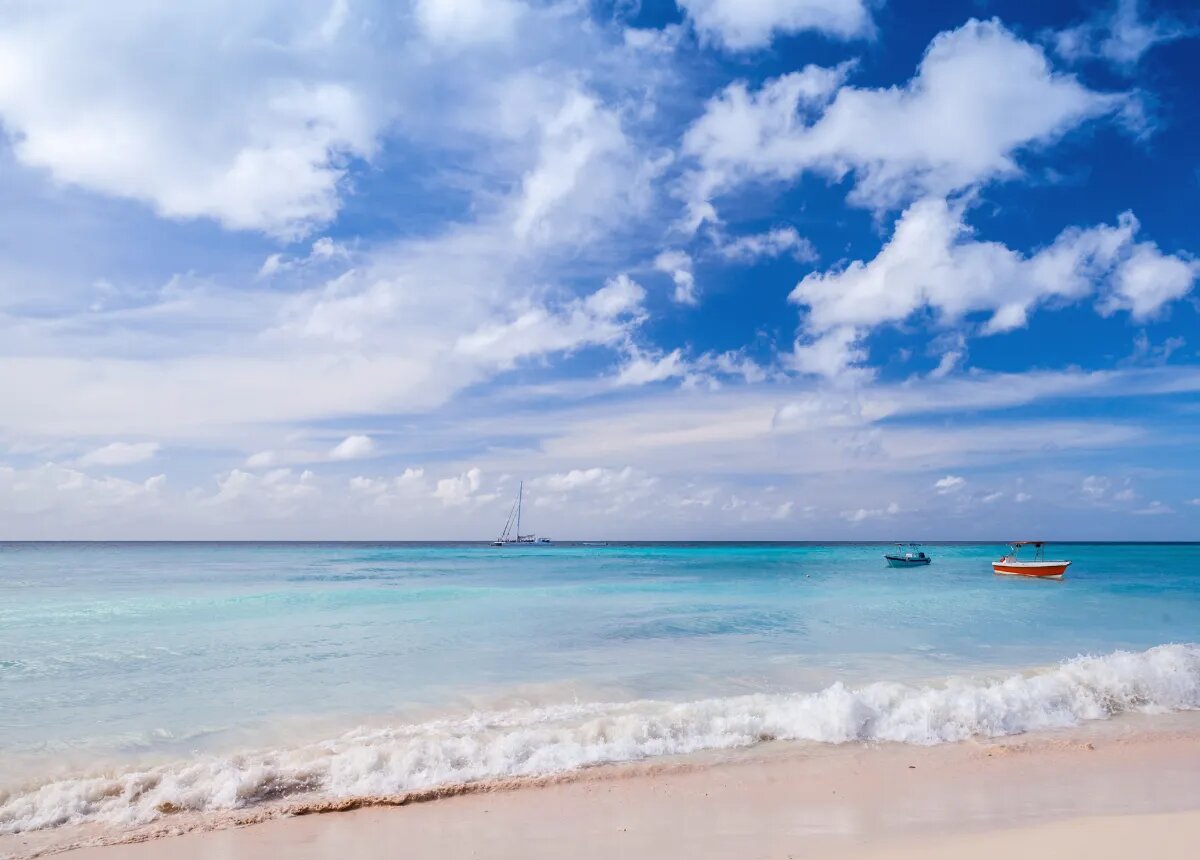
point(555, 740)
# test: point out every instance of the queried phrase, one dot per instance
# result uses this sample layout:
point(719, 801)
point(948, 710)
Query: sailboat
point(512, 526)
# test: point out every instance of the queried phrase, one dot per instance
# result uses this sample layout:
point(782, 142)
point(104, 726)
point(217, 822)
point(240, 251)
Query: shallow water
point(117, 657)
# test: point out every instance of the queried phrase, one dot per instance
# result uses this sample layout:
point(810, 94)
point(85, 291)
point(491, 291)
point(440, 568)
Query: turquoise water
point(151, 653)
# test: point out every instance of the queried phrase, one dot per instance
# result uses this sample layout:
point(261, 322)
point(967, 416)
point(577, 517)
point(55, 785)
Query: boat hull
point(893, 561)
point(1035, 569)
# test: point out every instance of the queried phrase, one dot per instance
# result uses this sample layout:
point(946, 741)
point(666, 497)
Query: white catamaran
point(512, 526)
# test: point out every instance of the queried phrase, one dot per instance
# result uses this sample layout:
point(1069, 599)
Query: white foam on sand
point(496, 745)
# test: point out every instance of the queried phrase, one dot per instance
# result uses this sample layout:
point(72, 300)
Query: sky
point(690, 269)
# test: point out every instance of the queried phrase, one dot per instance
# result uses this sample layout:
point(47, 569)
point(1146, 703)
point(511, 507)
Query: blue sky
point(782, 269)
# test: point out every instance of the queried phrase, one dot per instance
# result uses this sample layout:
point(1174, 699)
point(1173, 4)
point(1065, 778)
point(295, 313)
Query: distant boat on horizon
point(512, 526)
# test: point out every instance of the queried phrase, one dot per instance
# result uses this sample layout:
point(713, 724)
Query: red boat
point(1038, 567)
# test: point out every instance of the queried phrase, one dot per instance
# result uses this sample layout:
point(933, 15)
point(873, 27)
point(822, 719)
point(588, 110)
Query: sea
point(141, 681)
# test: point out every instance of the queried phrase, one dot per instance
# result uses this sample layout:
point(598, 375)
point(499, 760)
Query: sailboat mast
point(520, 493)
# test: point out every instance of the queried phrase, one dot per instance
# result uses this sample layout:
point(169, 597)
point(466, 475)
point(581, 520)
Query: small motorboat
point(1038, 566)
point(907, 555)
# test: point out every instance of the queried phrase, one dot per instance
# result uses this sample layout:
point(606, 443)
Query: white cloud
point(949, 484)
point(402, 490)
point(353, 448)
point(103, 98)
point(773, 243)
point(980, 97)
point(262, 460)
point(946, 364)
point(1118, 35)
point(1148, 280)
point(864, 514)
point(604, 318)
point(744, 24)
point(1155, 508)
point(405, 329)
point(464, 23)
point(933, 261)
point(277, 494)
point(701, 446)
point(678, 265)
point(828, 355)
point(37, 490)
point(643, 369)
point(323, 250)
point(594, 480)
point(119, 454)
point(1095, 487)
point(556, 183)
point(1022, 497)
point(459, 490)
point(588, 176)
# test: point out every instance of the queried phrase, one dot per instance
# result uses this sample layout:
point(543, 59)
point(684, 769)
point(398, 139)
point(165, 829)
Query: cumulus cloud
point(642, 368)
point(276, 494)
point(119, 454)
point(1148, 280)
point(828, 355)
point(353, 448)
point(51, 487)
point(933, 261)
point(1118, 34)
point(263, 145)
point(595, 478)
point(588, 177)
point(405, 488)
point(863, 514)
point(460, 489)
point(604, 318)
point(744, 24)
point(980, 97)
point(465, 23)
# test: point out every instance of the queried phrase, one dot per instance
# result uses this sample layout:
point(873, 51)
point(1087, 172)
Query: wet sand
point(1108, 794)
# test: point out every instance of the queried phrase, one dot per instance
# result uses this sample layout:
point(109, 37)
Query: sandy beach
point(1104, 793)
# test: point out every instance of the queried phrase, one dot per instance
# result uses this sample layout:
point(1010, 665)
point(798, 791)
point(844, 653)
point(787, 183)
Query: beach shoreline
point(1126, 780)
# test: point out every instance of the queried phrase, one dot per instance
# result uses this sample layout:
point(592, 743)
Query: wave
point(498, 745)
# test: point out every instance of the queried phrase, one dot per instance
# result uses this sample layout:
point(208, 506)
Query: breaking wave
point(555, 740)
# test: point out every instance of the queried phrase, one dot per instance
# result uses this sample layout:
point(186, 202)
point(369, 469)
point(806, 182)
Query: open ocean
point(140, 680)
